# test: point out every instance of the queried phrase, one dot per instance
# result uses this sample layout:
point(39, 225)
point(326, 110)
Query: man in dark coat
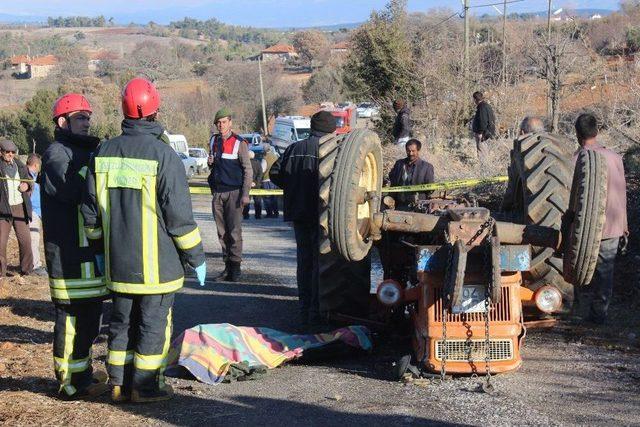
point(402, 126)
point(296, 172)
point(15, 207)
point(484, 123)
point(411, 170)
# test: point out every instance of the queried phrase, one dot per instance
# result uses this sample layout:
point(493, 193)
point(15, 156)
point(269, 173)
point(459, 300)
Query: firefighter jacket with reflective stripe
point(137, 198)
point(73, 273)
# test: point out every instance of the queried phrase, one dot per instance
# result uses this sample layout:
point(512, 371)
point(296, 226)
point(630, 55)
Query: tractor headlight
point(548, 299)
point(389, 293)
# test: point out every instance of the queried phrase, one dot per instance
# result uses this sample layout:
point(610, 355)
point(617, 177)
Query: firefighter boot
point(97, 388)
point(234, 272)
point(141, 396)
point(120, 394)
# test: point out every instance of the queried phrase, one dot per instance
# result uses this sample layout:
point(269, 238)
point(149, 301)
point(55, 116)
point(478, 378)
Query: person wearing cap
point(230, 182)
point(15, 206)
point(75, 280)
point(137, 201)
point(296, 172)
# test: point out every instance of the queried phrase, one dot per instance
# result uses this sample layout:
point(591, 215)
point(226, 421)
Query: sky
point(259, 13)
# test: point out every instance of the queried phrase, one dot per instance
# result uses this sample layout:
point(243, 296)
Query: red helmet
point(70, 103)
point(140, 99)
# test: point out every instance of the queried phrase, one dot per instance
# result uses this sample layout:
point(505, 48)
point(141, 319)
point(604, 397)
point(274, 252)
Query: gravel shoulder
point(569, 376)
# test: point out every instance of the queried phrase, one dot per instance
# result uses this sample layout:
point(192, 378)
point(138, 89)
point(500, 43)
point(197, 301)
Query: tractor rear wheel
point(585, 218)
point(350, 171)
point(542, 168)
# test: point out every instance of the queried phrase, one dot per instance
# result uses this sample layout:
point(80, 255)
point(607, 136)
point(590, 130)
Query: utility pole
point(264, 110)
point(504, 46)
point(466, 50)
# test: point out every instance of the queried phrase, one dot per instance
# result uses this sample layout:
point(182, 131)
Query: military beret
point(222, 113)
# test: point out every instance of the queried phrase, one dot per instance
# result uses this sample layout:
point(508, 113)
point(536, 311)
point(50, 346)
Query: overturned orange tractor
point(459, 272)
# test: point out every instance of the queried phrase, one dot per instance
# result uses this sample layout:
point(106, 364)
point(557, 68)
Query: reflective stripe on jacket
point(73, 273)
point(137, 199)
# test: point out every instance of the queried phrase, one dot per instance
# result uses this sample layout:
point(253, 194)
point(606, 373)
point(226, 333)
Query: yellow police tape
point(5, 178)
point(447, 185)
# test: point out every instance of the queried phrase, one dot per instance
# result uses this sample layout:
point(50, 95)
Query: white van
point(178, 143)
point(289, 129)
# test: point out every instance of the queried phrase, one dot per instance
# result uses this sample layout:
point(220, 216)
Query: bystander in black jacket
point(296, 172)
point(420, 172)
point(484, 121)
point(402, 125)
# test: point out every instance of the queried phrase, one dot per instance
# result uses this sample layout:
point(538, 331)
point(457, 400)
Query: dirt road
point(567, 378)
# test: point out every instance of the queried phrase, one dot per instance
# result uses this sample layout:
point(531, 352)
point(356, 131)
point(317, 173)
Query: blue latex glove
point(201, 272)
point(100, 263)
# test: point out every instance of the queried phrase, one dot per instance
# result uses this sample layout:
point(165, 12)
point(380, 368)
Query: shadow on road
point(250, 410)
point(24, 334)
point(265, 310)
point(38, 310)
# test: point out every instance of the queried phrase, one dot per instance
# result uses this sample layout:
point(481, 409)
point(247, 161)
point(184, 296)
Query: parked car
point(368, 110)
point(254, 139)
point(178, 143)
point(288, 130)
point(190, 165)
point(200, 155)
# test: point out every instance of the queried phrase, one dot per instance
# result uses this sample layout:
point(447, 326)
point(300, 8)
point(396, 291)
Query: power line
point(495, 4)
point(444, 20)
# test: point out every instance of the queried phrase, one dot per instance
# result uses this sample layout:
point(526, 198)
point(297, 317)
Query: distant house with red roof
point(340, 48)
point(279, 52)
point(36, 67)
point(19, 63)
point(40, 66)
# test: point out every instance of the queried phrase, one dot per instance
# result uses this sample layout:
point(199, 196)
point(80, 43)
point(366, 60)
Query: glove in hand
point(201, 272)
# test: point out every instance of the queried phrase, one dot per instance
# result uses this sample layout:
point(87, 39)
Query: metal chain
point(487, 305)
point(445, 353)
point(489, 223)
point(444, 313)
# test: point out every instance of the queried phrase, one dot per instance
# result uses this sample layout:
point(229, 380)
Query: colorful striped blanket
point(208, 351)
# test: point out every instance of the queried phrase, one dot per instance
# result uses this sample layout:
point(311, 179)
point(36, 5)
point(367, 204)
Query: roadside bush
point(36, 119)
point(11, 128)
point(324, 85)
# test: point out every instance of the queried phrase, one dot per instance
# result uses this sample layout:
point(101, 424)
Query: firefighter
point(137, 199)
point(76, 282)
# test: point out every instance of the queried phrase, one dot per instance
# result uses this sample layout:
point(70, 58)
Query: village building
point(19, 64)
point(26, 67)
point(340, 48)
point(279, 52)
point(40, 66)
